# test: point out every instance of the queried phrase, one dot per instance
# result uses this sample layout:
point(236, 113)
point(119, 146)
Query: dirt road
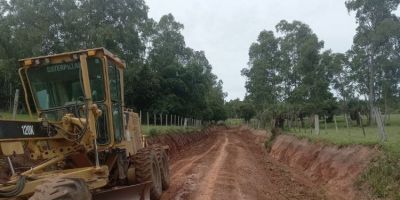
point(232, 164)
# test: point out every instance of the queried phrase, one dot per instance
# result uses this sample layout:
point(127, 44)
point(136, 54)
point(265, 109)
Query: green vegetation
point(275, 132)
point(292, 79)
point(291, 76)
point(240, 109)
point(159, 130)
point(21, 117)
point(383, 176)
point(234, 122)
point(163, 75)
point(354, 135)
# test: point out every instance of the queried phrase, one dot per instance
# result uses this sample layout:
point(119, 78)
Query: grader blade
point(133, 192)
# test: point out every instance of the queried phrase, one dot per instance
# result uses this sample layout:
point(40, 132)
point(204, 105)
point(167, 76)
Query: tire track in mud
point(231, 164)
point(209, 182)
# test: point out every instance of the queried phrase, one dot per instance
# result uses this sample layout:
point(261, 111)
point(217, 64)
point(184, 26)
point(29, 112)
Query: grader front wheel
point(62, 189)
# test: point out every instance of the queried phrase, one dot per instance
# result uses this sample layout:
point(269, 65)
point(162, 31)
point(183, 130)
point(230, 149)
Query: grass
point(159, 130)
point(234, 122)
point(354, 135)
point(19, 117)
point(383, 175)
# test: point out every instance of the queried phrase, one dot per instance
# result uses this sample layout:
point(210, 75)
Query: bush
point(275, 132)
point(383, 175)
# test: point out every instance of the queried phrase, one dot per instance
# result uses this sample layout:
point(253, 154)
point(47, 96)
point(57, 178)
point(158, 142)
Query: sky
point(225, 29)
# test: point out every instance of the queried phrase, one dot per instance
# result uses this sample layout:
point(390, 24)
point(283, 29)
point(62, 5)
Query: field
point(354, 135)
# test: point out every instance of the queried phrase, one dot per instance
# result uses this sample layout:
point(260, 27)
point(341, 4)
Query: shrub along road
point(233, 164)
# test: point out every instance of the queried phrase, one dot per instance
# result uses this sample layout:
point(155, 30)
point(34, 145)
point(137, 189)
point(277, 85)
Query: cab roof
point(100, 49)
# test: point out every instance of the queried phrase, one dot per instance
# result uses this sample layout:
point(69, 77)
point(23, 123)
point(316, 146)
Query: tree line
point(290, 75)
point(163, 75)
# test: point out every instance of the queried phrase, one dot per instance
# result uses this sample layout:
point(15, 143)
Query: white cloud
point(224, 29)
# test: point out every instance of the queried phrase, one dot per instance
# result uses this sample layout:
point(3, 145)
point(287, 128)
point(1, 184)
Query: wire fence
point(166, 119)
point(146, 118)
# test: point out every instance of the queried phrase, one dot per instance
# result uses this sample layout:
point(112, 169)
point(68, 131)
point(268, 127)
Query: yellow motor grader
point(85, 143)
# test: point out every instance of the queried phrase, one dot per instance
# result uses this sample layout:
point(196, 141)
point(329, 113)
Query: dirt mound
point(335, 168)
point(179, 141)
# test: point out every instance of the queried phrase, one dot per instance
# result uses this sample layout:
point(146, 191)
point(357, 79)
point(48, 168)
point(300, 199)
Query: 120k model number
point(27, 130)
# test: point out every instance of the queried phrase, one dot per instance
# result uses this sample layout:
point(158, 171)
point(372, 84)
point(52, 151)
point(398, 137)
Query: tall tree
point(263, 74)
point(289, 74)
point(33, 28)
point(232, 108)
point(375, 49)
point(163, 74)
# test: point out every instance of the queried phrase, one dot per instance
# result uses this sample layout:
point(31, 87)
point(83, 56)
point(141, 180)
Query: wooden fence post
point(361, 123)
point(316, 124)
point(148, 119)
point(334, 119)
point(140, 117)
point(15, 108)
point(381, 126)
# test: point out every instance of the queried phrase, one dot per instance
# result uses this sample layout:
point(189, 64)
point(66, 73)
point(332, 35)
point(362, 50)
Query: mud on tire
point(62, 189)
point(147, 168)
point(162, 158)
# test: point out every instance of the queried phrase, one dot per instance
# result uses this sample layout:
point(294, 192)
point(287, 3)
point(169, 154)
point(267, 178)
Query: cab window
point(115, 94)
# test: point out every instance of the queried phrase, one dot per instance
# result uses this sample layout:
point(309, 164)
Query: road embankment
point(335, 168)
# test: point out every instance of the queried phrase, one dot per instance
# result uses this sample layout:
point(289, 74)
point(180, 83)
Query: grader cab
point(85, 143)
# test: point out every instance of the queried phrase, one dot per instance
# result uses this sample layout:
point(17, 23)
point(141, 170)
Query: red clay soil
point(180, 141)
point(335, 168)
point(232, 164)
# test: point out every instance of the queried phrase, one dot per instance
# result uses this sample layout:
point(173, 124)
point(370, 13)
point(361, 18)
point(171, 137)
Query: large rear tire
point(162, 158)
point(62, 189)
point(147, 168)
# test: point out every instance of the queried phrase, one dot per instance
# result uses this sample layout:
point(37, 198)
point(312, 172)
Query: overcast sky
point(225, 29)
